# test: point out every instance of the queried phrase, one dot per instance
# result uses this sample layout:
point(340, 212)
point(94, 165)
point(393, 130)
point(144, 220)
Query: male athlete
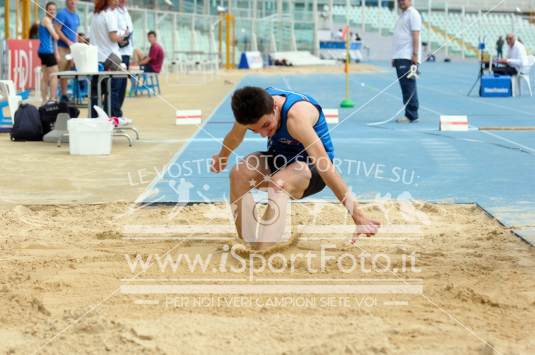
point(297, 164)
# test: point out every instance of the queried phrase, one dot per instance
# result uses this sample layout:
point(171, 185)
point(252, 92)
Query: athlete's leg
point(288, 183)
point(244, 176)
point(53, 81)
point(44, 84)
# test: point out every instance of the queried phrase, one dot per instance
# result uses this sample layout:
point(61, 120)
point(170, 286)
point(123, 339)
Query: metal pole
point(173, 37)
point(211, 43)
point(220, 37)
point(7, 11)
point(273, 44)
point(380, 8)
point(26, 17)
point(330, 15)
point(254, 43)
point(348, 7)
point(512, 23)
point(446, 11)
point(346, 67)
point(35, 12)
point(348, 60)
point(192, 43)
point(316, 45)
point(480, 35)
point(145, 29)
point(280, 27)
point(17, 32)
point(227, 38)
point(463, 20)
point(429, 5)
point(233, 43)
point(362, 17)
point(279, 7)
point(293, 41)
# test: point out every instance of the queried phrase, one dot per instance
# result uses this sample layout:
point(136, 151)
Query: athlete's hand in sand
point(365, 225)
point(218, 163)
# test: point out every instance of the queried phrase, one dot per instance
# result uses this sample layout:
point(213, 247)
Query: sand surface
point(62, 267)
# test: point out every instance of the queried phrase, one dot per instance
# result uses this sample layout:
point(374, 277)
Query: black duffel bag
point(27, 125)
point(49, 113)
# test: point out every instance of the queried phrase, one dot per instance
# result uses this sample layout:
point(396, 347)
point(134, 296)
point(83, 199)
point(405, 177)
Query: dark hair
point(34, 31)
point(152, 33)
point(100, 5)
point(48, 4)
point(250, 103)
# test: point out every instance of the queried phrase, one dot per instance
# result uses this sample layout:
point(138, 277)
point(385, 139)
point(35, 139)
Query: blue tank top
point(283, 143)
point(46, 42)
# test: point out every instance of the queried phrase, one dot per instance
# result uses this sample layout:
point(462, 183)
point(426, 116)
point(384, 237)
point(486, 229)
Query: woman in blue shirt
point(48, 54)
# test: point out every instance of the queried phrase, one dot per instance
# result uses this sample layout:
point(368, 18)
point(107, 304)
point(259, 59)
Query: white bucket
point(85, 57)
point(89, 136)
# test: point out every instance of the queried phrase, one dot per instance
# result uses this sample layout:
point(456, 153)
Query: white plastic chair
point(517, 79)
point(9, 93)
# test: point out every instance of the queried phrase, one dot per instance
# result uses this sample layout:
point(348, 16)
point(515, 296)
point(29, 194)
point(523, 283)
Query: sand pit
point(63, 267)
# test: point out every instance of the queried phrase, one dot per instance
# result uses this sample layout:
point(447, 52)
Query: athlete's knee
point(277, 183)
point(281, 183)
point(241, 174)
point(235, 174)
point(296, 186)
point(252, 162)
point(303, 170)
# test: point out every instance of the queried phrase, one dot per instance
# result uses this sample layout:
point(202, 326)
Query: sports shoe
point(121, 121)
point(403, 119)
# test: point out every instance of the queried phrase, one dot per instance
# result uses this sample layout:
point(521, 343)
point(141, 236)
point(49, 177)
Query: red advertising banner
point(22, 61)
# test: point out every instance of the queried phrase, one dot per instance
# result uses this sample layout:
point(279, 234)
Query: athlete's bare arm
point(300, 123)
point(232, 141)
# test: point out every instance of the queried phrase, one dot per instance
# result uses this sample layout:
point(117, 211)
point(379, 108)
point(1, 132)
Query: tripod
point(478, 79)
point(482, 65)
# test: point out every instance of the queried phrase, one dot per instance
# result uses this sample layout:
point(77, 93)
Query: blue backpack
point(27, 125)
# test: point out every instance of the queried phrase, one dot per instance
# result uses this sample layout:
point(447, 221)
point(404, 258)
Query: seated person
point(152, 63)
point(516, 60)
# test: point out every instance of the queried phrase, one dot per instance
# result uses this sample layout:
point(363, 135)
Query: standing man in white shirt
point(126, 48)
point(407, 52)
point(517, 58)
point(104, 34)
